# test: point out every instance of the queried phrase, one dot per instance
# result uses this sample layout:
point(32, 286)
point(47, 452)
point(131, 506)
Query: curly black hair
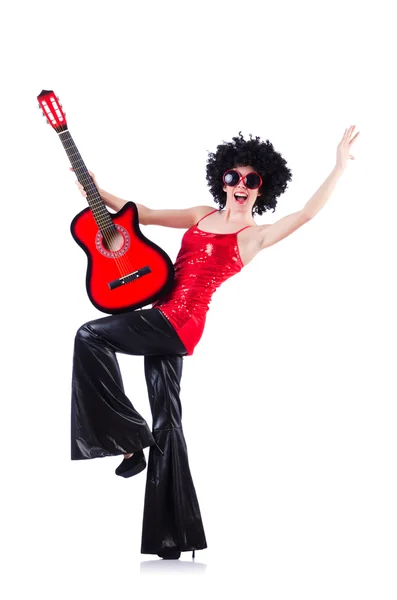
point(262, 157)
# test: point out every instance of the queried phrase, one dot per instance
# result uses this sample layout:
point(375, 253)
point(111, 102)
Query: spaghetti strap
point(243, 228)
point(211, 213)
point(207, 215)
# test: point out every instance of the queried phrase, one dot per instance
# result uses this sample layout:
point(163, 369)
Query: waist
point(188, 325)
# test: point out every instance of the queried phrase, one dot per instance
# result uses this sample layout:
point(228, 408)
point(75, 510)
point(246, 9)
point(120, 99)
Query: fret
point(97, 205)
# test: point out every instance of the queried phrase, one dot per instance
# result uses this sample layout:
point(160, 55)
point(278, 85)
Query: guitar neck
point(94, 199)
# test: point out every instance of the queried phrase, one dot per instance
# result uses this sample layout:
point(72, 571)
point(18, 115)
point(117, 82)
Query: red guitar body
point(125, 269)
point(134, 250)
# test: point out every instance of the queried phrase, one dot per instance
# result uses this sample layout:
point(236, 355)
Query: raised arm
point(270, 234)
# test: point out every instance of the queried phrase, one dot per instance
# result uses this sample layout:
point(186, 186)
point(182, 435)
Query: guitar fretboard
point(97, 205)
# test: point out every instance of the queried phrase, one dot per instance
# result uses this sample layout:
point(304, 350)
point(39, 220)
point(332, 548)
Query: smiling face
point(240, 204)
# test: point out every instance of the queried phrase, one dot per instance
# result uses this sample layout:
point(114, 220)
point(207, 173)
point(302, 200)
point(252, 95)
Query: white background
point(289, 401)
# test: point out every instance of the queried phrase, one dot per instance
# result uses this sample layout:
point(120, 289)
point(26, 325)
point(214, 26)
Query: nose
point(241, 183)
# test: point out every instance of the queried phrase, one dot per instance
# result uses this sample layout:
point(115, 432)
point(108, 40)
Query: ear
point(224, 188)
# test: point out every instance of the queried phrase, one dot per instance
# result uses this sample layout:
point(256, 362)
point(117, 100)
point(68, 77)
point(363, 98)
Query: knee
point(86, 331)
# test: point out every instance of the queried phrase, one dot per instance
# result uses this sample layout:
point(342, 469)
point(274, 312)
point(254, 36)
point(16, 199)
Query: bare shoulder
point(201, 211)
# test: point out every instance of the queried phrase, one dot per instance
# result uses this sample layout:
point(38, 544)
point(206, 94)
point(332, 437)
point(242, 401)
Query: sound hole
point(113, 241)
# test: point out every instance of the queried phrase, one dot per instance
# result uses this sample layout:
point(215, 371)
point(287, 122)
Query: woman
point(245, 177)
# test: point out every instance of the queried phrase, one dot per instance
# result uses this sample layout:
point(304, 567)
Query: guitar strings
point(122, 262)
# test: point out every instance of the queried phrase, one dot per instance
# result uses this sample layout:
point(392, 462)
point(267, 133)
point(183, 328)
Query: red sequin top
point(205, 260)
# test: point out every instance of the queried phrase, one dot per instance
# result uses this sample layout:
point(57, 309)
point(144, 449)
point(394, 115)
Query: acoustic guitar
point(125, 269)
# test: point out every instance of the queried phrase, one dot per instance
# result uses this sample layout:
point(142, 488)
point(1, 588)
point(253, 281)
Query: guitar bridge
point(128, 278)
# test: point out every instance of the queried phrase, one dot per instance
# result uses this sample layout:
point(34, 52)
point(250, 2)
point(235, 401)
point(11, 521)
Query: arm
point(287, 225)
point(178, 218)
point(113, 202)
point(270, 234)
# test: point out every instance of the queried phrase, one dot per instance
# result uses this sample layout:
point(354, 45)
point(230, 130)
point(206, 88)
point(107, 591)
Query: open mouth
point(240, 198)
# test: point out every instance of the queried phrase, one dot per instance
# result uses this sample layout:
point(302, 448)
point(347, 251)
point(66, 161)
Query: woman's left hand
point(343, 151)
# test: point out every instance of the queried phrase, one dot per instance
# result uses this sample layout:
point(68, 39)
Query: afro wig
point(262, 157)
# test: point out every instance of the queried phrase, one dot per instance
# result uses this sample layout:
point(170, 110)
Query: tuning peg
point(39, 105)
point(57, 97)
point(47, 121)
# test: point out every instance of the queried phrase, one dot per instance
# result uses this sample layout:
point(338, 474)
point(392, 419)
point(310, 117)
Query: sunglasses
point(252, 180)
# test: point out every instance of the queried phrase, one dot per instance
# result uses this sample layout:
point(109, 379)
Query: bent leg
point(103, 420)
point(172, 516)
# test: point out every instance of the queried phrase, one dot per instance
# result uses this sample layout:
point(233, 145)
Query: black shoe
point(172, 553)
point(169, 553)
point(132, 466)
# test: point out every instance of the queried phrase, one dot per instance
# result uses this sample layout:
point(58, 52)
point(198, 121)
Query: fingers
point(80, 187)
point(344, 137)
point(348, 133)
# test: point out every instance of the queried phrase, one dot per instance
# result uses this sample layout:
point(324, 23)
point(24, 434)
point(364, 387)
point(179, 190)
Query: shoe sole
point(172, 556)
point(134, 471)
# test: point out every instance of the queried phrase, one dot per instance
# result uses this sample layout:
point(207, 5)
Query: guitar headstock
point(51, 109)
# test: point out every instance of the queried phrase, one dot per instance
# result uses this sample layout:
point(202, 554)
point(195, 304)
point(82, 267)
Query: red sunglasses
point(252, 180)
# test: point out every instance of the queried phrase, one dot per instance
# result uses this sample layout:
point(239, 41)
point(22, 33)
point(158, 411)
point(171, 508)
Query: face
point(241, 204)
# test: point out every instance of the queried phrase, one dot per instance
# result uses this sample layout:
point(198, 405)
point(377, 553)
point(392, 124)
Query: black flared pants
point(105, 423)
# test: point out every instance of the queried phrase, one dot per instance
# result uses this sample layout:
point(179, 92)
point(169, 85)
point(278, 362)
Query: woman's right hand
point(81, 188)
